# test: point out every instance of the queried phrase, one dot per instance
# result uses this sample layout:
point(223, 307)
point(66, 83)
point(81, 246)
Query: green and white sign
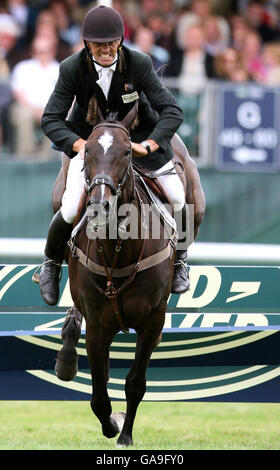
point(213, 289)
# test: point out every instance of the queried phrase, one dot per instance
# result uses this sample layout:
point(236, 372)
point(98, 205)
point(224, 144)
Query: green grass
point(42, 425)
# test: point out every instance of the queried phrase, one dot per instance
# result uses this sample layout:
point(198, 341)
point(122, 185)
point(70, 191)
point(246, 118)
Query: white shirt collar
point(99, 67)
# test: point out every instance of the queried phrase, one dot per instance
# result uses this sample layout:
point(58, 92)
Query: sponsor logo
point(225, 288)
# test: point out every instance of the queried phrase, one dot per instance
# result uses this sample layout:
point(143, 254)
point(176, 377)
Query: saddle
point(156, 194)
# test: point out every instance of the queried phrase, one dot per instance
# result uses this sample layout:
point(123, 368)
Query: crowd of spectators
point(189, 41)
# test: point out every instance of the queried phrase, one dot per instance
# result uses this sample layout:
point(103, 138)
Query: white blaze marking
point(106, 141)
point(102, 188)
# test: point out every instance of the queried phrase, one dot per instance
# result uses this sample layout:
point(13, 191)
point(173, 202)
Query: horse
point(118, 283)
point(110, 297)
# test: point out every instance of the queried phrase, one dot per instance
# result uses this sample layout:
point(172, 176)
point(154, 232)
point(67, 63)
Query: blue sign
point(249, 127)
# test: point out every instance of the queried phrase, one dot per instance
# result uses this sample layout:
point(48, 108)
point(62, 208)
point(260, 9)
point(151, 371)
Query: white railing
point(199, 252)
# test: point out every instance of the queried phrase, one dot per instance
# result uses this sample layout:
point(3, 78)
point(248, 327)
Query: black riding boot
point(181, 280)
point(58, 235)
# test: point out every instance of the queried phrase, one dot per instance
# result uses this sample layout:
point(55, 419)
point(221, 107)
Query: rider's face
point(104, 52)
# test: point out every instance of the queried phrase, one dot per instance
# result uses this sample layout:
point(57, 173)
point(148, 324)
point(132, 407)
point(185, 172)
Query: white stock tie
point(104, 80)
point(105, 77)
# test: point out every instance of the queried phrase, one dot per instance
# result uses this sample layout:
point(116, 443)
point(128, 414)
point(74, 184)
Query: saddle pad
point(159, 207)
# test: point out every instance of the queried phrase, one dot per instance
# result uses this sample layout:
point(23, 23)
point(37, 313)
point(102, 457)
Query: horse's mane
point(112, 117)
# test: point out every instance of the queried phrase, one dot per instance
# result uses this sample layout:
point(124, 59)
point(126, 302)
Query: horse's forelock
point(112, 117)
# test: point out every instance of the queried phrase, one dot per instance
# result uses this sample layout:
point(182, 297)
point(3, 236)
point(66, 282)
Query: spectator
point(226, 63)
point(131, 15)
point(170, 10)
point(24, 15)
point(78, 9)
point(251, 56)
point(192, 65)
point(199, 12)
point(271, 61)
point(162, 30)
point(32, 82)
point(68, 30)
point(239, 31)
point(214, 43)
point(8, 36)
point(229, 67)
point(144, 42)
point(148, 7)
point(46, 27)
point(197, 65)
point(259, 20)
point(5, 99)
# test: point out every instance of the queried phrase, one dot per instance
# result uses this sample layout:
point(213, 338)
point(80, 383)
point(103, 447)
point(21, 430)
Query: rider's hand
point(79, 147)
point(139, 150)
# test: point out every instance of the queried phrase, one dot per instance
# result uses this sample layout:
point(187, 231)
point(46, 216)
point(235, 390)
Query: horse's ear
point(131, 119)
point(94, 115)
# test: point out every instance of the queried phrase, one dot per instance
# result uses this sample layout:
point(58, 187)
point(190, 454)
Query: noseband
point(102, 178)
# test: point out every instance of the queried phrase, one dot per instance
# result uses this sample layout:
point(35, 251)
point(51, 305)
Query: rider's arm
point(54, 122)
point(139, 151)
point(162, 101)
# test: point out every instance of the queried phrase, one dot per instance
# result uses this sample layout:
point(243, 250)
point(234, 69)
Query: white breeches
point(173, 186)
point(75, 185)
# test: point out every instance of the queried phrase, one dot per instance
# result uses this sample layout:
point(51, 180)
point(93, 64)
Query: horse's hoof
point(112, 430)
point(119, 419)
point(66, 371)
point(124, 441)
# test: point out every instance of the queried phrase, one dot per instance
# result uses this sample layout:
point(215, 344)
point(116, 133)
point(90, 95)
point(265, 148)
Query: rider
point(118, 77)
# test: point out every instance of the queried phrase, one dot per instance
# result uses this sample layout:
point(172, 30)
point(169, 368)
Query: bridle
point(102, 178)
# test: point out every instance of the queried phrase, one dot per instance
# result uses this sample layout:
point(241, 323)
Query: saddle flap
point(160, 204)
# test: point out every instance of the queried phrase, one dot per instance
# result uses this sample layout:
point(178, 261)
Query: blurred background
point(220, 58)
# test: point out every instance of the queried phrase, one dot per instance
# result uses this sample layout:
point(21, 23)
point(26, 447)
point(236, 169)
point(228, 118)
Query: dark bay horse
point(117, 283)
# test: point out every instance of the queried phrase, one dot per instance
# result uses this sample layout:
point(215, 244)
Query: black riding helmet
point(102, 24)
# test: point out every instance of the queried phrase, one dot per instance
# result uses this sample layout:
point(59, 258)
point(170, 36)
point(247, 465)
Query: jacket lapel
point(116, 84)
point(116, 88)
point(95, 89)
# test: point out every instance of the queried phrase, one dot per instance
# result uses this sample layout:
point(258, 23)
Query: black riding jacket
point(159, 116)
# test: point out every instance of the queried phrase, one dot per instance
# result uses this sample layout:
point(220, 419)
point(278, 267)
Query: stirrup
point(180, 262)
point(36, 275)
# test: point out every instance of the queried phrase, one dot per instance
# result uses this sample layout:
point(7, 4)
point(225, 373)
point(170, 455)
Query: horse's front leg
point(98, 357)
point(135, 386)
point(66, 366)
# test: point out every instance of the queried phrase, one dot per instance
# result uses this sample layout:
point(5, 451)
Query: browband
point(111, 124)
